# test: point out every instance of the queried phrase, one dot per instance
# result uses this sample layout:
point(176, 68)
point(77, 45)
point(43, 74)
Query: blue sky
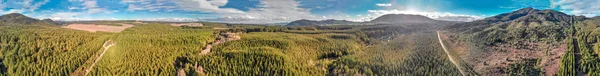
point(275, 11)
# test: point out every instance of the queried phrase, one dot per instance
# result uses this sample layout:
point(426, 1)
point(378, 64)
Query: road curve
point(450, 56)
point(106, 45)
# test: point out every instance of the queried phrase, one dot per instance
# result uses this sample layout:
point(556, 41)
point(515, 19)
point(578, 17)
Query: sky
point(280, 11)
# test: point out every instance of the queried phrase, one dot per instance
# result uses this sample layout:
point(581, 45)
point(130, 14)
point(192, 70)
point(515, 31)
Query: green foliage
point(526, 68)
point(586, 45)
point(259, 61)
point(567, 62)
point(277, 53)
point(419, 54)
point(45, 50)
point(151, 50)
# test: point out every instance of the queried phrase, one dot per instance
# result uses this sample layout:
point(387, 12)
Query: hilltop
point(524, 24)
point(403, 19)
point(22, 19)
point(388, 19)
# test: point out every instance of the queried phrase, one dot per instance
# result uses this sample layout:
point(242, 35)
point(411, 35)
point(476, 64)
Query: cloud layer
point(587, 8)
point(271, 11)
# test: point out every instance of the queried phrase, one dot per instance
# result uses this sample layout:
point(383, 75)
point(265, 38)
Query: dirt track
point(224, 38)
point(106, 45)
point(458, 66)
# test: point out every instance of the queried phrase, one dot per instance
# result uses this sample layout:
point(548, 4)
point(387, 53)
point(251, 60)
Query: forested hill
point(526, 24)
point(405, 19)
point(17, 18)
point(388, 19)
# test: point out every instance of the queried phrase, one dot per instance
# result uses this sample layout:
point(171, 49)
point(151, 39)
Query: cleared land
point(94, 27)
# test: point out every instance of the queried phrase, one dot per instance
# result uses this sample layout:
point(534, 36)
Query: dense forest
point(151, 49)
point(45, 49)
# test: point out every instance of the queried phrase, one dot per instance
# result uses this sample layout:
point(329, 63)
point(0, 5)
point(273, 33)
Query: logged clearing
point(94, 27)
point(224, 37)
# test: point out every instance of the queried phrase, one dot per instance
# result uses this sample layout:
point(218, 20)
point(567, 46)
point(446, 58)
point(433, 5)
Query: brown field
point(94, 27)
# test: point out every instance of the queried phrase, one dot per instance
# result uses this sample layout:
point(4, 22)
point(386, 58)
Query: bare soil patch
point(94, 27)
point(495, 60)
point(223, 37)
point(502, 55)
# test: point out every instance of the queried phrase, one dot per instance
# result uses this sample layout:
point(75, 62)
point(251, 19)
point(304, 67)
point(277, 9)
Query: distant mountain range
point(305, 22)
point(389, 19)
point(22, 19)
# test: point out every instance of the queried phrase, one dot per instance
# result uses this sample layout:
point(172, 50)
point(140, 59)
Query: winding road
point(458, 66)
point(106, 45)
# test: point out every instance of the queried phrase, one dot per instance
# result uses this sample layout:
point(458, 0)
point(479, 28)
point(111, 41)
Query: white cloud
point(91, 7)
point(434, 15)
point(64, 15)
point(20, 6)
point(150, 7)
point(32, 6)
point(384, 5)
point(2, 6)
point(90, 4)
point(212, 6)
point(14, 11)
point(587, 8)
point(272, 11)
point(74, 8)
point(169, 19)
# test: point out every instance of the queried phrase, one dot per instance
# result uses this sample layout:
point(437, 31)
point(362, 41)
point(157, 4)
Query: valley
point(525, 42)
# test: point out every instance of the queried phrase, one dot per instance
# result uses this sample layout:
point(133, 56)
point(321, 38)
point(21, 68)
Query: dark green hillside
point(526, 24)
point(16, 18)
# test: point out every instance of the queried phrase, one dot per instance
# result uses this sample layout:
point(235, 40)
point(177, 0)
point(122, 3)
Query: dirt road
point(458, 66)
point(224, 37)
point(106, 45)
